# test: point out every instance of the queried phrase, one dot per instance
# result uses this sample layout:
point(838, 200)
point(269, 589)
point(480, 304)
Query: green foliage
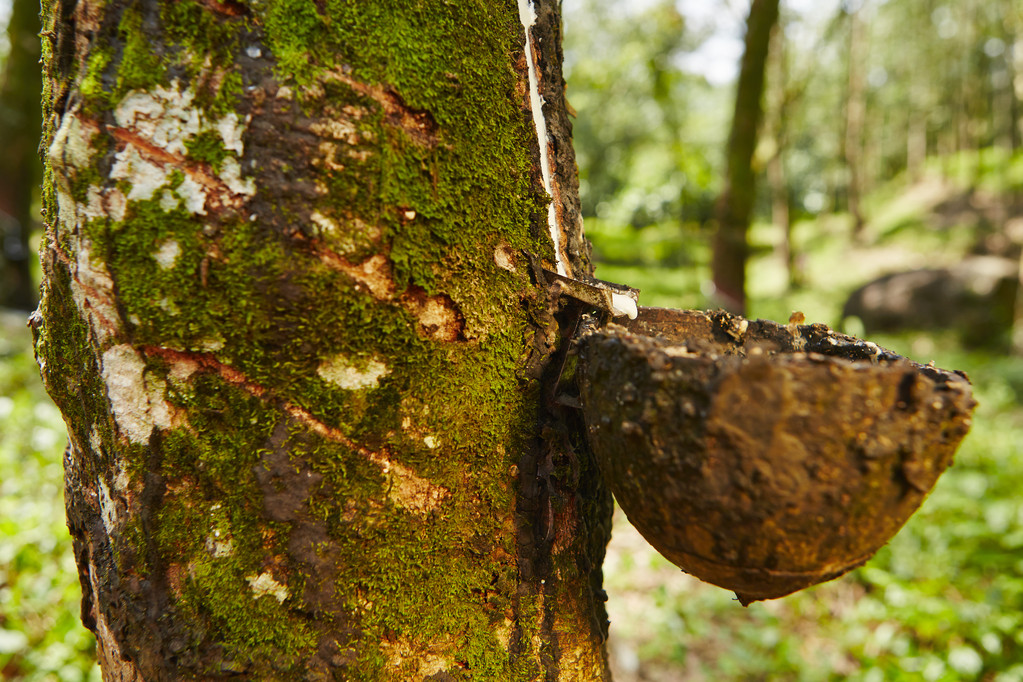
point(41, 637)
point(646, 146)
point(667, 264)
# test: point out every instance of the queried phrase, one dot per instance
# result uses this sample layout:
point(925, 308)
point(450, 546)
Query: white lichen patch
point(327, 225)
point(231, 175)
point(375, 274)
point(162, 412)
point(193, 195)
point(144, 176)
point(219, 546)
point(137, 401)
point(210, 345)
point(504, 257)
point(116, 204)
point(168, 306)
point(167, 254)
point(327, 156)
point(408, 490)
point(158, 125)
point(168, 202)
point(181, 370)
point(423, 659)
point(338, 129)
point(121, 479)
point(435, 315)
point(123, 373)
point(93, 206)
point(431, 442)
point(231, 130)
point(263, 585)
point(107, 508)
point(95, 441)
point(165, 117)
point(504, 633)
point(92, 291)
point(339, 371)
point(72, 144)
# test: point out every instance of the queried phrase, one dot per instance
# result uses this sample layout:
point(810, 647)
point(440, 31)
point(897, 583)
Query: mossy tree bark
point(294, 316)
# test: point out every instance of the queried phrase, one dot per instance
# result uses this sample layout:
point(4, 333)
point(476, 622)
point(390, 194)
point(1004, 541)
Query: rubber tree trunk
point(20, 170)
point(294, 317)
point(735, 205)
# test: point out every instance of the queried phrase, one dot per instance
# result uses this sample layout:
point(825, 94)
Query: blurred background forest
point(862, 164)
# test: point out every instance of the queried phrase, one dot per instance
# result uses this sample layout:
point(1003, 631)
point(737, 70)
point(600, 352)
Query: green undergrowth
point(41, 637)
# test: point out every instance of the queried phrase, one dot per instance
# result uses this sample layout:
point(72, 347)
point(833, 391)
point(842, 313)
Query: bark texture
point(294, 317)
point(735, 205)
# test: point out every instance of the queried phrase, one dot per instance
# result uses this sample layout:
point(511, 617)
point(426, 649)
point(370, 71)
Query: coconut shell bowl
point(763, 457)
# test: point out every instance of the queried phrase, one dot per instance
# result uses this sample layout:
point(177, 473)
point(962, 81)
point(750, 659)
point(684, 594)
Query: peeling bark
point(307, 367)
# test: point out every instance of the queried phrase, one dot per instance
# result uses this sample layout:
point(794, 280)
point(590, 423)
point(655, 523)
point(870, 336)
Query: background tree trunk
point(855, 114)
point(292, 318)
point(735, 205)
point(20, 170)
point(781, 95)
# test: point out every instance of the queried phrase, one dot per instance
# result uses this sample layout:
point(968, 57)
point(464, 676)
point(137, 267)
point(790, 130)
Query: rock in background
point(975, 297)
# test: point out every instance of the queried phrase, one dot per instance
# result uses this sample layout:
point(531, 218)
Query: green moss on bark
point(140, 65)
point(431, 170)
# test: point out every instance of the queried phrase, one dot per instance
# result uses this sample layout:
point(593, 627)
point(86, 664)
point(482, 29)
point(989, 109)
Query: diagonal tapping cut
point(438, 317)
point(406, 488)
point(527, 15)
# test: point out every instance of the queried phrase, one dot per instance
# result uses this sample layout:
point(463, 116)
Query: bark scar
point(228, 8)
point(438, 317)
point(419, 124)
point(200, 172)
point(404, 487)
